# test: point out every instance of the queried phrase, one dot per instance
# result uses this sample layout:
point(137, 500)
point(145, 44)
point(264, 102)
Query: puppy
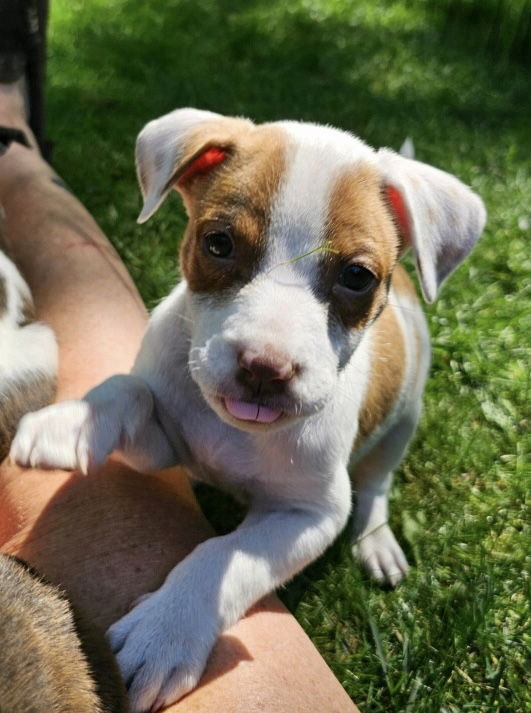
point(293, 351)
point(28, 353)
point(51, 661)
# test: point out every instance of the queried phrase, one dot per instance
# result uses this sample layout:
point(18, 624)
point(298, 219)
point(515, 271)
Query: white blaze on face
point(297, 232)
point(316, 156)
point(266, 313)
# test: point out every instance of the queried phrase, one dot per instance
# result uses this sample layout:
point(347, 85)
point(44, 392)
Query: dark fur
point(17, 398)
point(51, 660)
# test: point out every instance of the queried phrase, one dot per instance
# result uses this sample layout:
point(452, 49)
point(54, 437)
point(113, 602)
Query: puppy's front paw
point(161, 651)
point(379, 552)
point(60, 436)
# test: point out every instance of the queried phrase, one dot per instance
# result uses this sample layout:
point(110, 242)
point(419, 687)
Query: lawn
point(454, 76)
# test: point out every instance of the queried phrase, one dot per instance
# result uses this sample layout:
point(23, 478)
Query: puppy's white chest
point(220, 454)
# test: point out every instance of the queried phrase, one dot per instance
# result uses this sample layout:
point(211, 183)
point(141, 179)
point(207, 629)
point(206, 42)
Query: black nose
point(265, 367)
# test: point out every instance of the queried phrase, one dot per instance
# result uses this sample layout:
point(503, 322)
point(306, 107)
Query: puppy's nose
point(266, 366)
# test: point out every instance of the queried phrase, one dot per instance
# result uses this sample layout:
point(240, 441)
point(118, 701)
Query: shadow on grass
point(382, 70)
point(269, 61)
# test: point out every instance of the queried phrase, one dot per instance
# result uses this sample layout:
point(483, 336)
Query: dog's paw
point(381, 555)
point(162, 646)
point(60, 436)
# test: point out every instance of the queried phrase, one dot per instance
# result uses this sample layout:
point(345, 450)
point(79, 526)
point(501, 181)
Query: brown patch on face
point(27, 313)
point(3, 296)
point(362, 232)
point(388, 354)
point(18, 397)
point(234, 198)
point(359, 231)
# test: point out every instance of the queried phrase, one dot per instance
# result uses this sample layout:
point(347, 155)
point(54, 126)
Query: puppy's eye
point(219, 244)
point(356, 278)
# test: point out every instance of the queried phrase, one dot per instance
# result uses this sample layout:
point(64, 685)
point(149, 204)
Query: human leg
point(111, 538)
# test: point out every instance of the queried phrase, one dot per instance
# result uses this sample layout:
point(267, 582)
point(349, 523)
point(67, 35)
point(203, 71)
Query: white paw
point(61, 436)
point(379, 552)
point(162, 646)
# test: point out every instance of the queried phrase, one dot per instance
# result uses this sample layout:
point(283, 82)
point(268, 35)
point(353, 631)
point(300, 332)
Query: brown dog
point(51, 661)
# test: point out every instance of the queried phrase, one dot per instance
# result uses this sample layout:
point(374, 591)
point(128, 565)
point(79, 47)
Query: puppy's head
point(294, 232)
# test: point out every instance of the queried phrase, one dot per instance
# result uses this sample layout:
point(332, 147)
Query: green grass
point(452, 638)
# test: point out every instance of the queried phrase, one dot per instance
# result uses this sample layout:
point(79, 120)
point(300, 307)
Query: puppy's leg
point(374, 544)
point(79, 435)
point(162, 645)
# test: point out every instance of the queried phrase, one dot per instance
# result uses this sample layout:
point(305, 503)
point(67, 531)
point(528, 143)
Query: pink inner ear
point(399, 210)
point(204, 163)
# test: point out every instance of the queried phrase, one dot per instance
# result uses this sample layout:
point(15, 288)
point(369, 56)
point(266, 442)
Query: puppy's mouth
point(249, 411)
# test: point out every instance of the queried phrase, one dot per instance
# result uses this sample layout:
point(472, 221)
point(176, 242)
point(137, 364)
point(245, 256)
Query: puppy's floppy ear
point(436, 215)
point(176, 147)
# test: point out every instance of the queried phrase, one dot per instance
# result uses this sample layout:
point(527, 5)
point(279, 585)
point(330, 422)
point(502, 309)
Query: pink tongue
point(251, 412)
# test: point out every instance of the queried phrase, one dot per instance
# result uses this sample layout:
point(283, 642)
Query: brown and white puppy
point(51, 661)
point(293, 351)
point(28, 353)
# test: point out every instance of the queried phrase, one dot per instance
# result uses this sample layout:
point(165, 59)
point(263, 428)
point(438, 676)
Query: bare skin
point(112, 537)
